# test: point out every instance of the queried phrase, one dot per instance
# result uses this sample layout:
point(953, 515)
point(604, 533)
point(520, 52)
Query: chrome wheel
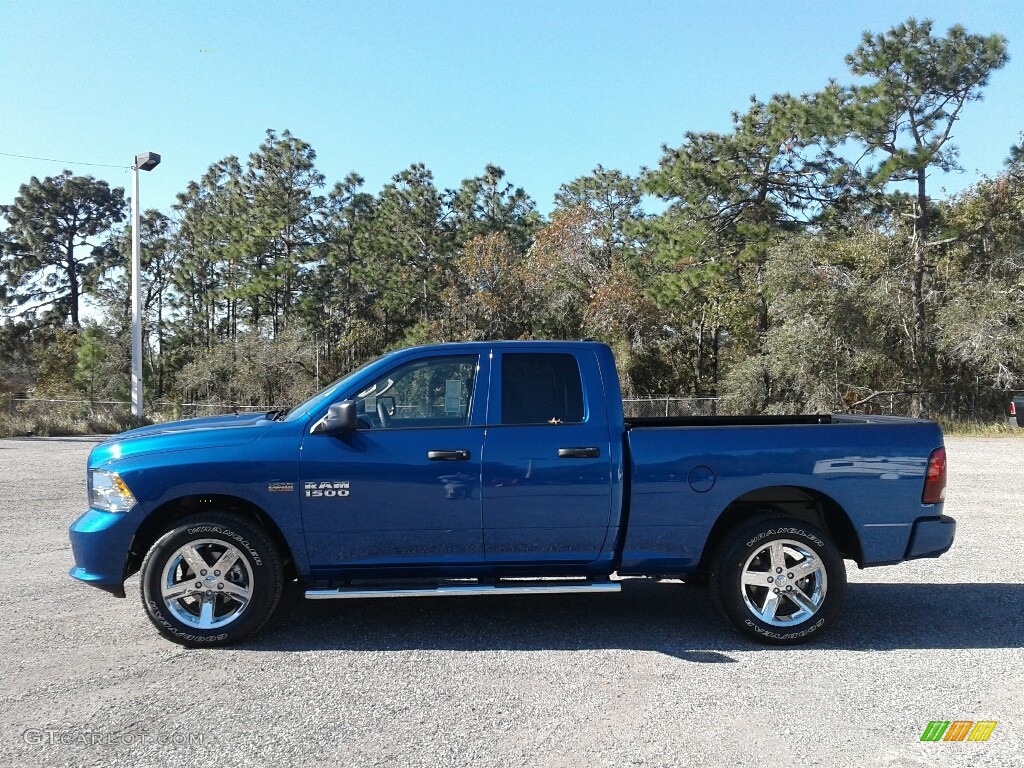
point(784, 583)
point(206, 583)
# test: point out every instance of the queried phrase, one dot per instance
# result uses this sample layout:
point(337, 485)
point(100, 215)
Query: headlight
point(108, 492)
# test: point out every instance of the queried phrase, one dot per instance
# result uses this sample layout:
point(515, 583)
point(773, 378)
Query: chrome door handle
point(579, 453)
point(459, 455)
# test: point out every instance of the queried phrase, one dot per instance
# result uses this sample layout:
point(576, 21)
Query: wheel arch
point(163, 518)
point(798, 502)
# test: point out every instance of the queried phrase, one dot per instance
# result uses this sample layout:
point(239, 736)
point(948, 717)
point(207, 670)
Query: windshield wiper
point(277, 415)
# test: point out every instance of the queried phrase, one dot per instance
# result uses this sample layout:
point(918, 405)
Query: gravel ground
point(648, 677)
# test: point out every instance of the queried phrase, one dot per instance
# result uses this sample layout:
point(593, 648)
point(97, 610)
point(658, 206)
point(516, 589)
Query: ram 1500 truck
point(493, 468)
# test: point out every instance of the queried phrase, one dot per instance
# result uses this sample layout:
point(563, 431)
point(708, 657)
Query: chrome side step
point(533, 588)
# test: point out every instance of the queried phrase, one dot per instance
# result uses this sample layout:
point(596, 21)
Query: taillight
point(935, 478)
point(1013, 409)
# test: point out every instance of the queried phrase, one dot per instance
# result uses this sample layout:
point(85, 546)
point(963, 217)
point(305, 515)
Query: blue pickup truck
point(503, 468)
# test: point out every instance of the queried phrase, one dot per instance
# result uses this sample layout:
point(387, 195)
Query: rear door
point(547, 473)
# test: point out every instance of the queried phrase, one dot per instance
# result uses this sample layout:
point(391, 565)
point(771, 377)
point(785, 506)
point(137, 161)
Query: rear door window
point(541, 389)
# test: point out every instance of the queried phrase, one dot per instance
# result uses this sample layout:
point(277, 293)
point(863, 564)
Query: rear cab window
point(541, 388)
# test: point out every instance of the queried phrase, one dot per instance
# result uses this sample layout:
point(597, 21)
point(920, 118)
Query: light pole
point(145, 161)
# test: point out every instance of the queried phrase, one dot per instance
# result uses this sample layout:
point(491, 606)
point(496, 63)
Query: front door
point(404, 489)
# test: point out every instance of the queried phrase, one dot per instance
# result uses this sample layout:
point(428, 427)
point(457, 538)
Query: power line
point(66, 162)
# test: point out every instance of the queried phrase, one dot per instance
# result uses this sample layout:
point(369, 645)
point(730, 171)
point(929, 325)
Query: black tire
point(211, 608)
point(698, 579)
point(808, 580)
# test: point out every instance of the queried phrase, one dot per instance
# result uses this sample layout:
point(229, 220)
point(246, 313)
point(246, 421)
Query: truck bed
point(685, 471)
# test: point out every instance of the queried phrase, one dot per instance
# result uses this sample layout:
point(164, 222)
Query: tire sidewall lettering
point(787, 636)
point(158, 616)
point(785, 532)
point(199, 529)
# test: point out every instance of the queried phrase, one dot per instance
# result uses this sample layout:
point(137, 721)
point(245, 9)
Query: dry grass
point(980, 429)
point(62, 422)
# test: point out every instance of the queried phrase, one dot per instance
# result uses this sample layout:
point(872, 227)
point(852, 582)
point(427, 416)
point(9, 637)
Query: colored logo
point(958, 730)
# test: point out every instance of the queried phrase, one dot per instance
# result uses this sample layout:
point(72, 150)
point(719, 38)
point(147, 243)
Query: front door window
point(435, 392)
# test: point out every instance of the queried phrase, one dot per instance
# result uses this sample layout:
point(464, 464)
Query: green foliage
point(487, 301)
point(780, 274)
point(486, 204)
point(916, 86)
point(103, 364)
point(17, 368)
point(615, 214)
point(831, 341)
point(414, 250)
point(1016, 156)
point(252, 371)
point(47, 254)
point(731, 198)
point(56, 361)
point(979, 328)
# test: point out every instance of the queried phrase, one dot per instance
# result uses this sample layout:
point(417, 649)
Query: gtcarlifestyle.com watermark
point(68, 736)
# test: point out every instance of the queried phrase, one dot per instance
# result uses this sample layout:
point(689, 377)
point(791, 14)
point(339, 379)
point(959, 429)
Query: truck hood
point(189, 434)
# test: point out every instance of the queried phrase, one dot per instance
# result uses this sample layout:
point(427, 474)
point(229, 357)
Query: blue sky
point(546, 90)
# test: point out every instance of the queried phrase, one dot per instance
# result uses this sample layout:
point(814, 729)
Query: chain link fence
point(980, 406)
point(89, 408)
point(648, 407)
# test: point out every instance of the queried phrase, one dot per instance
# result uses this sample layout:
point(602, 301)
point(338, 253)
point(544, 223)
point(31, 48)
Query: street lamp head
point(147, 161)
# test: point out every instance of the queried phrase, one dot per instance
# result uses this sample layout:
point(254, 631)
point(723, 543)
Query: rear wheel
point(211, 580)
point(779, 580)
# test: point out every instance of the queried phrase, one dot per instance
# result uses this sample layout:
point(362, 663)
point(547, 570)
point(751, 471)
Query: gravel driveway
point(648, 677)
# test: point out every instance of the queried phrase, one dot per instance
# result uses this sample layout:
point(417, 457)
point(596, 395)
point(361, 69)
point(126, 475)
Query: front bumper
point(931, 537)
point(100, 542)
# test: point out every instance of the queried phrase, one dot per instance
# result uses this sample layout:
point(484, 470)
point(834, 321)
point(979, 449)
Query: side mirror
point(341, 417)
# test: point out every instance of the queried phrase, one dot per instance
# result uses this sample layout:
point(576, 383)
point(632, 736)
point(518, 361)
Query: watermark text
point(85, 737)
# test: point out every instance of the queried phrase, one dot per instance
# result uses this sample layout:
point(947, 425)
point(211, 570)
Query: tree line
point(800, 261)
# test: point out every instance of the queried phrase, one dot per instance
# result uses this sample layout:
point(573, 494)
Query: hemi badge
point(281, 487)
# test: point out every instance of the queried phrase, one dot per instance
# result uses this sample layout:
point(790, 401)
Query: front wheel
point(779, 580)
point(211, 580)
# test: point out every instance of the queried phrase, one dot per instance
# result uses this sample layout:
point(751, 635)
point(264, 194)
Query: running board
point(464, 589)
